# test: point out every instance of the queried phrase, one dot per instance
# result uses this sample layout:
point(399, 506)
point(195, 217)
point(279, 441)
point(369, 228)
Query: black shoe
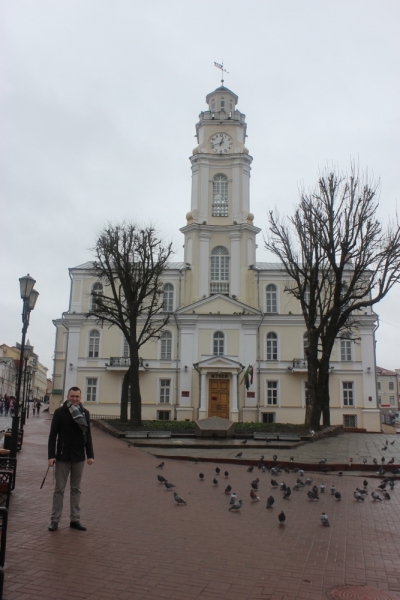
point(53, 526)
point(77, 525)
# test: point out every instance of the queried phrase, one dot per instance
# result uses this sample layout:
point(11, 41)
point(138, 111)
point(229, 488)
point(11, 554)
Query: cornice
point(219, 228)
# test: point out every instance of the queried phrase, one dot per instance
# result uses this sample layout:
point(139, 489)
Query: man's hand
point(90, 461)
point(51, 462)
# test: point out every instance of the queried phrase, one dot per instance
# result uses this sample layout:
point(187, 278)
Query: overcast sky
point(98, 111)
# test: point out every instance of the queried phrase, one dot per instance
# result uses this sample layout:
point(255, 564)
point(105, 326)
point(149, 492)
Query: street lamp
point(29, 297)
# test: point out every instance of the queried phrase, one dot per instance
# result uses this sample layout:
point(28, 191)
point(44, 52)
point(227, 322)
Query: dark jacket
point(71, 444)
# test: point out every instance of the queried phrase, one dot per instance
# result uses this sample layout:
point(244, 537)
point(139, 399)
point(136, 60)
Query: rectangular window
point(163, 415)
point(348, 393)
point(391, 400)
point(126, 349)
point(272, 392)
point(165, 391)
point(268, 417)
point(91, 389)
point(345, 350)
point(391, 386)
point(379, 385)
point(379, 400)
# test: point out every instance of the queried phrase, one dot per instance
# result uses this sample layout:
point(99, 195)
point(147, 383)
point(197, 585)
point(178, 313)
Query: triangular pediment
point(220, 363)
point(219, 304)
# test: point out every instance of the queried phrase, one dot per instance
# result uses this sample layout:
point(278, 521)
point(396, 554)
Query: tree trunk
point(326, 413)
point(136, 400)
point(313, 405)
point(124, 398)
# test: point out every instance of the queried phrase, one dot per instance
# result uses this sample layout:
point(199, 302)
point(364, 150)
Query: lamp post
point(29, 297)
point(26, 398)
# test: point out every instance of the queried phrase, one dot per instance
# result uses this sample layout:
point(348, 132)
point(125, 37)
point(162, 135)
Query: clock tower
point(220, 235)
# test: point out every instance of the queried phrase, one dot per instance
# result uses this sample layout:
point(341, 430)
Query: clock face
point(221, 143)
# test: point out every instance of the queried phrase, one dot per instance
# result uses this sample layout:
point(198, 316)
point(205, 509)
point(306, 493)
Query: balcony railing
point(217, 287)
point(123, 362)
point(300, 364)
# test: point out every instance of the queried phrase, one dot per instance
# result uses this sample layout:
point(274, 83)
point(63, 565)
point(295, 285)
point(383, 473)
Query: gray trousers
point(63, 469)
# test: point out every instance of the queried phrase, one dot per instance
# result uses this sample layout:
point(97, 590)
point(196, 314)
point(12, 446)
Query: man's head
point(74, 395)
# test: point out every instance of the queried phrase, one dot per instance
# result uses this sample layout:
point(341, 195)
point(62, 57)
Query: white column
point(235, 263)
point(203, 263)
point(203, 391)
point(235, 403)
point(71, 372)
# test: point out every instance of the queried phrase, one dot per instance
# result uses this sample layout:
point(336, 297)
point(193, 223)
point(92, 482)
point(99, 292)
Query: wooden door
point(219, 398)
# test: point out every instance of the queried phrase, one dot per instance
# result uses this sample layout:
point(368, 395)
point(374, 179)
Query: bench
point(271, 437)
point(7, 439)
point(159, 434)
point(8, 464)
point(137, 435)
point(259, 436)
point(3, 542)
point(289, 437)
point(5, 487)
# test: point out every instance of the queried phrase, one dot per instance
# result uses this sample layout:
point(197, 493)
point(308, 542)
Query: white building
point(227, 312)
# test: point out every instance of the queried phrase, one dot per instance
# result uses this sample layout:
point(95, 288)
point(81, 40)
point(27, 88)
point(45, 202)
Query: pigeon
point(274, 483)
point(236, 506)
point(324, 520)
point(161, 479)
point(233, 498)
point(362, 491)
point(364, 461)
point(382, 486)
point(226, 474)
point(315, 489)
point(333, 490)
point(287, 493)
point(391, 461)
point(228, 489)
point(381, 471)
point(312, 496)
point(365, 483)
point(262, 457)
point(263, 469)
point(383, 459)
point(391, 484)
point(287, 471)
point(282, 518)
point(160, 466)
point(275, 458)
point(301, 473)
point(340, 473)
point(297, 486)
point(215, 481)
point(384, 449)
point(322, 462)
point(391, 443)
point(296, 470)
point(376, 497)
point(178, 499)
point(253, 495)
point(283, 486)
point(250, 469)
point(239, 454)
point(201, 475)
point(291, 459)
point(270, 501)
point(358, 496)
point(312, 432)
point(300, 482)
point(244, 442)
point(386, 495)
point(322, 486)
point(217, 470)
point(169, 486)
point(374, 461)
point(309, 480)
point(338, 496)
point(254, 485)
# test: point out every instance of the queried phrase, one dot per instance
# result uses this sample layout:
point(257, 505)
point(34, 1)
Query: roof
point(222, 88)
point(381, 371)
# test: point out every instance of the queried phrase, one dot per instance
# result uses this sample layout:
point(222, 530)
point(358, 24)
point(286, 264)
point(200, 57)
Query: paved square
point(140, 544)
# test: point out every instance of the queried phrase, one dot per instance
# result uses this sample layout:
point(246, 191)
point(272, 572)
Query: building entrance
point(219, 398)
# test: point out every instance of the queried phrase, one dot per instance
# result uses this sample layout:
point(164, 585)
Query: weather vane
point(222, 70)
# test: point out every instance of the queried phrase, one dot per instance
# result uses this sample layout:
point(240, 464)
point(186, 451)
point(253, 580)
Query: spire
point(222, 70)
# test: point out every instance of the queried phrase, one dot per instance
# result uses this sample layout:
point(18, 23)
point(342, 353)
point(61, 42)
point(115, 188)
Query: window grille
point(269, 417)
point(163, 415)
point(220, 196)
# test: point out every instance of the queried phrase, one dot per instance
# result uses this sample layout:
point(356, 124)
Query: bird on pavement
point(324, 520)
point(201, 475)
point(315, 489)
point(382, 486)
point(365, 484)
point(270, 501)
point(300, 482)
point(178, 499)
point(391, 443)
point(275, 458)
point(291, 459)
point(297, 486)
point(287, 470)
point(386, 495)
point(287, 493)
point(215, 481)
point(254, 485)
point(391, 485)
point(161, 479)
point(233, 498)
point(236, 506)
point(239, 454)
point(312, 496)
point(274, 483)
point(160, 466)
point(228, 489)
point(169, 486)
point(282, 518)
point(322, 461)
point(358, 496)
point(301, 473)
point(376, 497)
point(217, 470)
point(338, 496)
point(362, 491)
point(322, 487)
point(244, 442)
point(374, 461)
point(391, 461)
point(364, 461)
point(283, 486)
point(333, 490)
point(226, 474)
point(384, 449)
point(309, 480)
point(383, 459)
point(253, 495)
point(250, 469)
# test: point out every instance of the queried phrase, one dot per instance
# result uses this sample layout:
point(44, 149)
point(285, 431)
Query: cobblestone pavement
point(141, 545)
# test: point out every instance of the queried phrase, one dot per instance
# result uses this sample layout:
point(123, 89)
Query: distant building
point(36, 373)
point(8, 374)
point(387, 383)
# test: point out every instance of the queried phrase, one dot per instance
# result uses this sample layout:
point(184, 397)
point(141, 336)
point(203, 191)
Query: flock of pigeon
point(313, 493)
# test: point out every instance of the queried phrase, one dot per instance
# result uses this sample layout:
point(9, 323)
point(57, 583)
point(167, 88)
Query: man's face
point(74, 397)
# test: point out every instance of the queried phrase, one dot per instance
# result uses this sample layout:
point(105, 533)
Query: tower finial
point(222, 70)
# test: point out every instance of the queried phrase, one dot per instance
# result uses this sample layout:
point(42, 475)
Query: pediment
point(219, 304)
point(219, 363)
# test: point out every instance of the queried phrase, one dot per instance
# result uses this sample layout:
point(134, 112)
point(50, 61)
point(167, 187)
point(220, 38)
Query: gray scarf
point(79, 418)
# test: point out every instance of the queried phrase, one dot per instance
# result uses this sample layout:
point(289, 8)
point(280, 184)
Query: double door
point(219, 398)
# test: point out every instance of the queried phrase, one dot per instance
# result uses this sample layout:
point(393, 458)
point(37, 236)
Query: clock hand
point(221, 142)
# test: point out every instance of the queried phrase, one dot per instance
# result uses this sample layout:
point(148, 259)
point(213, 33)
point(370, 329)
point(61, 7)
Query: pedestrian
point(34, 408)
point(38, 405)
point(6, 404)
point(70, 431)
point(1, 406)
point(12, 405)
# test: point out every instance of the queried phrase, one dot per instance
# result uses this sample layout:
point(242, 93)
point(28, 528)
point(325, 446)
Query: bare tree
point(340, 259)
point(129, 263)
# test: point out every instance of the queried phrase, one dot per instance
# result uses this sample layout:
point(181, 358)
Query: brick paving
point(141, 545)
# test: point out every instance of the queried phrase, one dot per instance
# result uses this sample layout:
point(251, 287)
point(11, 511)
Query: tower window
point(220, 196)
point(219, 283)
point(222, 103)
point(213, 104)
point(231, 105)
point(97, 290)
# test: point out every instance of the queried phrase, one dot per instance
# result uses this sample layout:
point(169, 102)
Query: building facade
point(226, 312)
point(388, 389)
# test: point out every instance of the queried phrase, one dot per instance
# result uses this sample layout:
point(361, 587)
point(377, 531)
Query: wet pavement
point(140, 544)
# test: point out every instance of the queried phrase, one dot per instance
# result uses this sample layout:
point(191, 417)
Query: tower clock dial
point(221, 143)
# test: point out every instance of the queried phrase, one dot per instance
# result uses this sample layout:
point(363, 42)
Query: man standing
point(70, 428)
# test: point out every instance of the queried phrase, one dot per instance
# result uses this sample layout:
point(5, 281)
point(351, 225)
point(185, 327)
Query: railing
point(224, 115)
point(300, 363)
point(123, 361)
point(219, 288)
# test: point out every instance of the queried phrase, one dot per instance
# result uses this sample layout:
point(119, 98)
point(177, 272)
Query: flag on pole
point(248, 377)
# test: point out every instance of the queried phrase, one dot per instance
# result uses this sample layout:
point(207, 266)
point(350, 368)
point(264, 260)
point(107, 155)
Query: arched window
point(218, 343)
point(272, 346)
point(168, 297)
point(272, 298)
point(346, 348)
point(94, 344)
point(166, 345)
point(222, 103)
point(220, 196)
point(97, 290)
point(219, 283)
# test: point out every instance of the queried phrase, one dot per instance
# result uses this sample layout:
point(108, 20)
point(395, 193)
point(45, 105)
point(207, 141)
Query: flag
point(248, 377)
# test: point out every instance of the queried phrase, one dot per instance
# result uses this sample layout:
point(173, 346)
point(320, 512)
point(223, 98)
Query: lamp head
point(26, 286)
point(33, 296)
